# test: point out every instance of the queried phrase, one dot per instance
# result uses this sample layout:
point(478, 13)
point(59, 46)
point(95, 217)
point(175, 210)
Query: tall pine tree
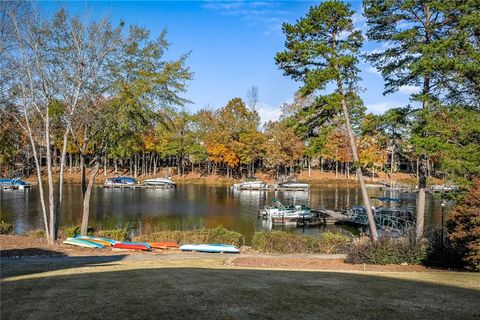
point(407, 29)
point(322, 49)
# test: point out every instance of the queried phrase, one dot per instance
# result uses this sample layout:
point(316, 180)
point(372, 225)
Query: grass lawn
point(204, 288)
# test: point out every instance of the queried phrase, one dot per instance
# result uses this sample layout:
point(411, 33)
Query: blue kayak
point(211, 248)
point(112, 242)
point(83, 243)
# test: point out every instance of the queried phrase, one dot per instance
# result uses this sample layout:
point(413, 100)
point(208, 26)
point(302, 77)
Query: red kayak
point(130, 246)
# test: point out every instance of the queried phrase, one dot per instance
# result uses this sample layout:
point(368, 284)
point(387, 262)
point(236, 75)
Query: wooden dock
point(138, 186)
point(329, 217)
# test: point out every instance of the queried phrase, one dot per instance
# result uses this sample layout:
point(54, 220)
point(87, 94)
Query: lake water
point(190, 206)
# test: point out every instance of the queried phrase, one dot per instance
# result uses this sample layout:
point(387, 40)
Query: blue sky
point(232, 45)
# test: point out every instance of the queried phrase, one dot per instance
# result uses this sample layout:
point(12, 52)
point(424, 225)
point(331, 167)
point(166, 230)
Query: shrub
point(387, 250)
point(75, 230)
point(5, 228)
point(119, 235)
point(463, 228)
point(216, 235)
point(37, 233)
point(284, 242)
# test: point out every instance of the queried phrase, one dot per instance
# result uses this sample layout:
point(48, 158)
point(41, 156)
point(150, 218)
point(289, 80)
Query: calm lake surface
point(190, 206)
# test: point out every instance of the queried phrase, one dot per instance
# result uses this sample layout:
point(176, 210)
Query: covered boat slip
point(282, 186)
point(129, 182)
point(13, 184)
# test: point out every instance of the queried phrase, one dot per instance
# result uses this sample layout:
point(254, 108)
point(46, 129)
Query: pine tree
point(323, 48)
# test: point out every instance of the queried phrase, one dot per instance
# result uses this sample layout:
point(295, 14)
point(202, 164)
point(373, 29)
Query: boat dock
point(270, 188)
point(137, 186)
point(319, 217)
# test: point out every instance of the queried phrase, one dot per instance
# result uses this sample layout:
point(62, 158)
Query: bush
point(75, 230)
point(387, 251)
point(284, 242)
point(216, 235)
point(5, 228)
point(37, 233)
point(119, 235)
point(463, 228)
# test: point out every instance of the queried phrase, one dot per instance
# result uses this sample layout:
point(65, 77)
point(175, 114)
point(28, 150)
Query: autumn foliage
point(463, 227)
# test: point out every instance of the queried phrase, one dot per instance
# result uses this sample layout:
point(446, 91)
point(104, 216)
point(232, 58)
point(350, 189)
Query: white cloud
point(381, 107)
point(268, 113)
point(264, 13)
point(409, 89)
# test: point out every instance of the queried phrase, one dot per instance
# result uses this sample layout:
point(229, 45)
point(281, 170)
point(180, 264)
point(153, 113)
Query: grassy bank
point(81, 288)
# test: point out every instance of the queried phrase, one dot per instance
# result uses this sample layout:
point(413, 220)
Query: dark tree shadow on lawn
point(196, 293)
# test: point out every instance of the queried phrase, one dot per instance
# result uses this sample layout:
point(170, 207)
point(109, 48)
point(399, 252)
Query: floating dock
point(319, 217)
point(138, 186)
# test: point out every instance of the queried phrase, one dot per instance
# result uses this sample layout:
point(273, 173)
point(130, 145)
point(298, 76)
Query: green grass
point(203, 288)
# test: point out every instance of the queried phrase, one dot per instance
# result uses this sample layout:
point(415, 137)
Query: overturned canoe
point(132, 246)
point(163, 245)
point(83, 243)
point(105, 241)
point(211, 248)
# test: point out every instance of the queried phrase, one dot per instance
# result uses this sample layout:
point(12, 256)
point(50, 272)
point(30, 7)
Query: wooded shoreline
point(314, 178)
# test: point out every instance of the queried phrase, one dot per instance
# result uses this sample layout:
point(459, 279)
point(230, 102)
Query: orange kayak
point(163, 245)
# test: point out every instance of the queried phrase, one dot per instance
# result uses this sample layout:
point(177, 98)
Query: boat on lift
point(278, 211)
point(161, 182)
point(293, 185)
point(14, 183)
point(120, 182)
point(251, 185)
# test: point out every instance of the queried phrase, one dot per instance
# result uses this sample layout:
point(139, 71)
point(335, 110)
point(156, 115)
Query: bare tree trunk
point(86, 198)
point(58, 208)
point(83, 174)
point(105, 164)
point(366, 200)
point(392, 158)
point(51, 203)
point(155, 165)
point(39, 177)
point(422, 184)
point(70, 160)
point(135, 164)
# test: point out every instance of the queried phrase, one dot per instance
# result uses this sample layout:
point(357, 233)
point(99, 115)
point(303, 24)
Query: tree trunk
point(155, 165)
point(51, 203)
point(135, 164)
point(366, 200)
point(83, 174)
point(58, 208)
point(105, 164)
point(86, 198)
point(39, 177)
point(70, 160)
point(422, 183)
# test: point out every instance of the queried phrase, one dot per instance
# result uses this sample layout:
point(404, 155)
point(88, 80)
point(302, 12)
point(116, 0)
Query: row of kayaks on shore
point(97, 242)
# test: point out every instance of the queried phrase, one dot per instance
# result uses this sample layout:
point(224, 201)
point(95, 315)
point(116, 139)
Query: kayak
point(83, 243)
point(132, 246)
point(163, 245)
point(211, 248)
point(138, 243)
point(105, 241)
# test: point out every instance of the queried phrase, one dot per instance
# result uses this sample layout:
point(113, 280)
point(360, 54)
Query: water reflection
point(192, 206)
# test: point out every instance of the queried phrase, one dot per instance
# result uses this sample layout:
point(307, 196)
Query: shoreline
point(15, 248)
point(314, 178)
